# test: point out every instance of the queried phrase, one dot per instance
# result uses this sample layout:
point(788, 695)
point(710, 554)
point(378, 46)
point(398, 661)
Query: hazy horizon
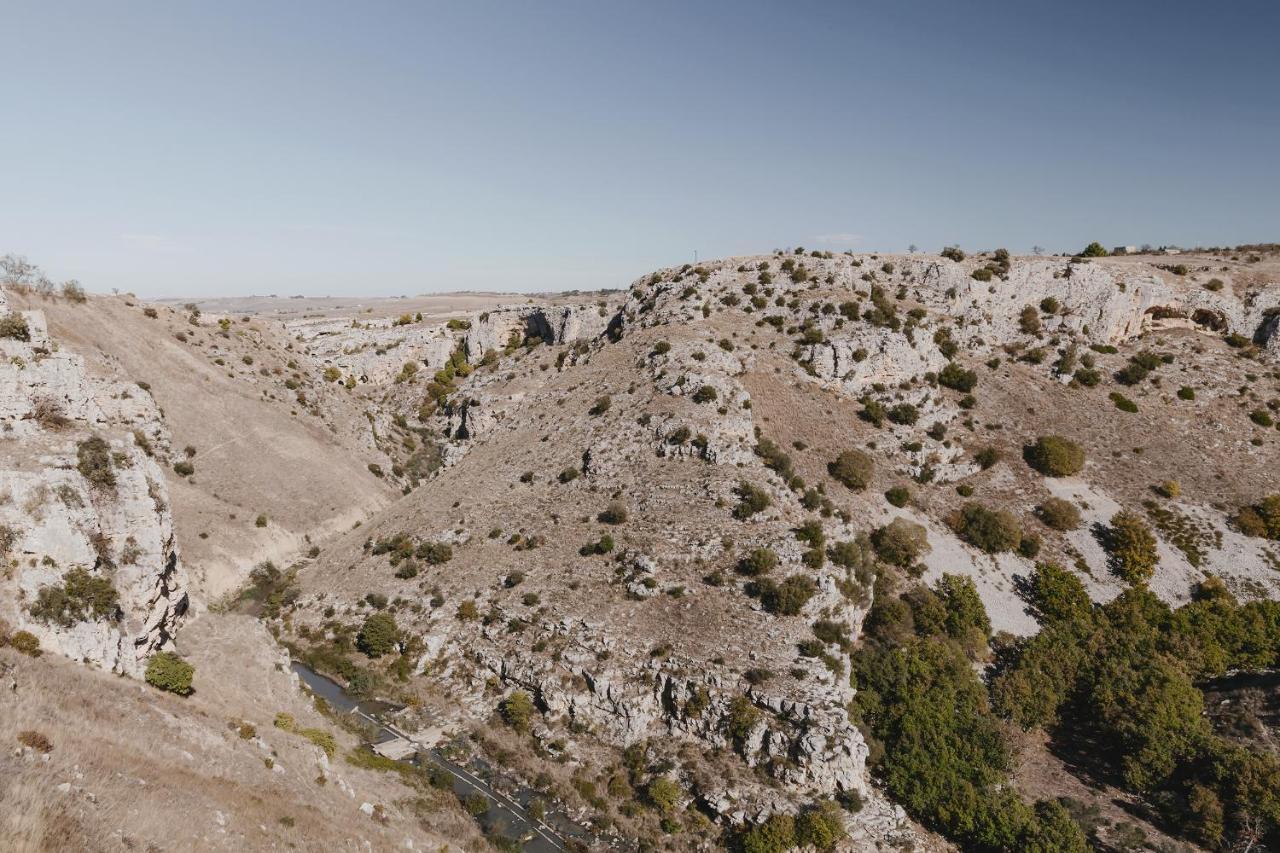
point(189, 150)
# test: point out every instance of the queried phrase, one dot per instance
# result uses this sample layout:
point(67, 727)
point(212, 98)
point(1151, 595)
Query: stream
point(508, 814)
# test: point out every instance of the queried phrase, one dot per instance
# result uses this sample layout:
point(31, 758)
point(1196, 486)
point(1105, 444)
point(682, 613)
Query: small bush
point(517, 710)
point(614, 513)
point(1059, 514)
point(898, 496)
point(14, 326)
point(1055, 456)
point(789, 597)
point(761, 561)
point(1132, 548)
point(171, 673)
point(26, 643)
point(93, 461)
point(992, 531)
point(600, 406)
point(379, 635)
point(705, 394)
point(900, 542)
point(955, 377)
point(260, 521)
point(853, 468)
point(751, 500)
point(184, 468)
point(1123, 403)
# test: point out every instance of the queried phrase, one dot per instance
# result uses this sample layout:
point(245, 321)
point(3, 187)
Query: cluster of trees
point(936, 744)
point(1122, 678)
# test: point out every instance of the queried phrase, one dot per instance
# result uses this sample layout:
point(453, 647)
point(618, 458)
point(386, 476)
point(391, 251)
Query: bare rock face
point(375, 351)
point(500, 328)
point(85, 526)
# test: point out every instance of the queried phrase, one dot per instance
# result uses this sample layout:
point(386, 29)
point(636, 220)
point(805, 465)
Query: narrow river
point(508, 813)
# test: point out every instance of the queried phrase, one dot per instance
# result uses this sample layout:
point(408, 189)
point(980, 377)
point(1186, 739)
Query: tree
point(1094, 250)
point(775, 835)
point(821, 826)
point(1132, 547)
point(1037, 250)
point(993, 531)
point(169, 672)
point(378, 635)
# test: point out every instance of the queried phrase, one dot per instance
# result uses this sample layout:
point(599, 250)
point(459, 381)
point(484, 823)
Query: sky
point(205, 149)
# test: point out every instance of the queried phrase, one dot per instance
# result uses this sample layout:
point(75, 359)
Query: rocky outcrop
point(500, 328)
point(376, 351)
point(85, 526)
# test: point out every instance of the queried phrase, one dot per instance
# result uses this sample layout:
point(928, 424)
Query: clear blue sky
point(184, 148)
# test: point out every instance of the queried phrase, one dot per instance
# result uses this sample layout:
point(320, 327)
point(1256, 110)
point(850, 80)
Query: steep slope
point(268, 436)
point(602, 502)
point(91, 566)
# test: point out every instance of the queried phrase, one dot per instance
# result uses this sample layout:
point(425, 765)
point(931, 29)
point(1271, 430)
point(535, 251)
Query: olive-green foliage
point(941, 751)
point(775, 835)
point(993, 531)
point(614, 513)
point(517, 710)
point(853, 468)
point(1261, 519)
point(79, 598)
point(787, 598)
point(1132, 547)
point(663, 794)
point(821, 826)
point(900, 542)
point(1059, 514)
point(957, 378)
point(751, 500)
point(1094, 250)
point(898, 496)
point(93, 461)
point(1123, 676)
point(379, 635)
point(760, 561)
point(14, 326)
point(743, 717)
point(169, 672)
point(25, 642)
point(1055, 456)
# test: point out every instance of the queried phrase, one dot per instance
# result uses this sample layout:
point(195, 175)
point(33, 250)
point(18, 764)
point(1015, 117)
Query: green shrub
point(260, 521)
point(1123, 403)
point(80, 597)
point(26, 643)
point(568, 475)
point(1094, 250)
point(821, 827)
point(900, 542)
point(761, 561)
point(14, 326)
point(1029, 320)
point(600, 406)
point(981, 274)
point(898, 496)
point(663, 794)
point(93, 461)
point(1055, 456)
point(184, 468)
point(955, 377)
point(853, 468)
point(789, 597)
point(614, 513)
point(1186, 393)
point(169, 672)
point(992, 531)
point(434, 553)
point(517, 710)
point(751, 500)
point(379, 635)
point(321, 738)
point(1132, 547)
point(1059, 514)
point(705, 394)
